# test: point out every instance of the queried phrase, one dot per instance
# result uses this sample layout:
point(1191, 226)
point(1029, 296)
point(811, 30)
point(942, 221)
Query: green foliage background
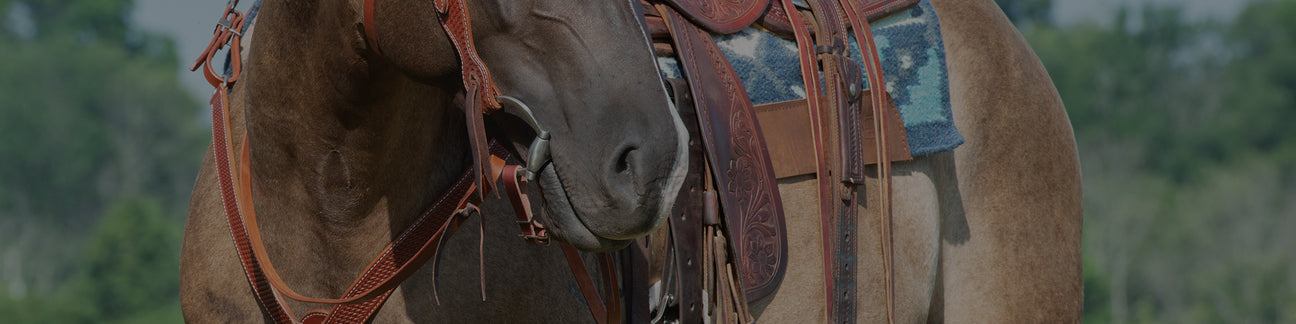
point(1186, 138)
point(1184, 130)
point(99, 146)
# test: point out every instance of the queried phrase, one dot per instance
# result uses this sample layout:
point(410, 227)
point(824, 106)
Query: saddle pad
point(913, 62)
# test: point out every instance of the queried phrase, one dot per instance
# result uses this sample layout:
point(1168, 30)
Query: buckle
point(224, 22)
point(467, 211)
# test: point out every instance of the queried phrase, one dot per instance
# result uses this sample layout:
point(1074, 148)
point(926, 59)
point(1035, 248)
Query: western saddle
point(726, 231)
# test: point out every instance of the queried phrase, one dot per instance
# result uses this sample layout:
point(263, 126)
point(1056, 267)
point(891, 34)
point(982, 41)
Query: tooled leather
point(745, 176)
point(872, 10)
point(480, 89)
point(410, 251)
point(776, 21)
point(261, 288)
point(721, 16)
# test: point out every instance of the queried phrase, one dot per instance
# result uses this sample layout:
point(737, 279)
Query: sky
point(190, 22)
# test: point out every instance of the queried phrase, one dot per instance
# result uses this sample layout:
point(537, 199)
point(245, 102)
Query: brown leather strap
point(787, 129)
point(746, 183)
point(635, 272)
point(222, 151)
point(400, 259)
point(687, 212)
point(479, 88)
point(607, 269)
point(515, 184)
point(873, 65)
point(686, 231)
point(480, 91)
point(370, 27)
point(874, 10)
point(720, 16)
point(604, 311)
point(227, 32)
point(414, 247)
point(827, 199)
point(842, 122)
point(776, 21)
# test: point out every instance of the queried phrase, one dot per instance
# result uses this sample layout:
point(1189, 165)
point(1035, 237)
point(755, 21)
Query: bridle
point(421, 241)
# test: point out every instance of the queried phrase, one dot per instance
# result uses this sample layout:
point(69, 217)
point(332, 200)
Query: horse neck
point(338, 140)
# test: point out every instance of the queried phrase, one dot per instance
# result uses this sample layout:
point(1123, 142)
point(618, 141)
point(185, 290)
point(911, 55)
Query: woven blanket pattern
point(913, 60)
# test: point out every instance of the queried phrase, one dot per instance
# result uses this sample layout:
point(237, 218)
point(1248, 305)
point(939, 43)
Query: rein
point(417, 243)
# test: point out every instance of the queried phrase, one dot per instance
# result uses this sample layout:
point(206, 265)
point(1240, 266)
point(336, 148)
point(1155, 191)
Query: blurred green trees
point(99, 146)
point(1186, 143)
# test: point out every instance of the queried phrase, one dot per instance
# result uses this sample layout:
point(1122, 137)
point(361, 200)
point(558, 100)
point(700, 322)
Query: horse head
point(586, 71)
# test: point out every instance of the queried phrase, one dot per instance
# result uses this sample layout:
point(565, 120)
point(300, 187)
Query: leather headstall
point(416, 244)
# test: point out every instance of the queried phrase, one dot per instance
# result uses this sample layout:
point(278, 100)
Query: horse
point(348, 116)
point(988, 232)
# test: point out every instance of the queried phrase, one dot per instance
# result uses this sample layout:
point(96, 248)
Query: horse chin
point(561, 220)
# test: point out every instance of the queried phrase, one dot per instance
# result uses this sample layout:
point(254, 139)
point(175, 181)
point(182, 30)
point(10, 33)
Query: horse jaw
point(561, 219)
point(567, 188)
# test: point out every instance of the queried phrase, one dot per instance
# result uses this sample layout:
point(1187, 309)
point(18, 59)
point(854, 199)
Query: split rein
point(421, 241)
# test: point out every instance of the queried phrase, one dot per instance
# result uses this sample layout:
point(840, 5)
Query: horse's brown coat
point(987, 233)
point(347, 149)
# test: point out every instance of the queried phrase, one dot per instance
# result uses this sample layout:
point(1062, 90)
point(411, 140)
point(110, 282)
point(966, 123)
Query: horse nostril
point(623, 159)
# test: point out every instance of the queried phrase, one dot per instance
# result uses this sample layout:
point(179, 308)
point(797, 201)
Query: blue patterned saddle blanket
point(913, 60)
